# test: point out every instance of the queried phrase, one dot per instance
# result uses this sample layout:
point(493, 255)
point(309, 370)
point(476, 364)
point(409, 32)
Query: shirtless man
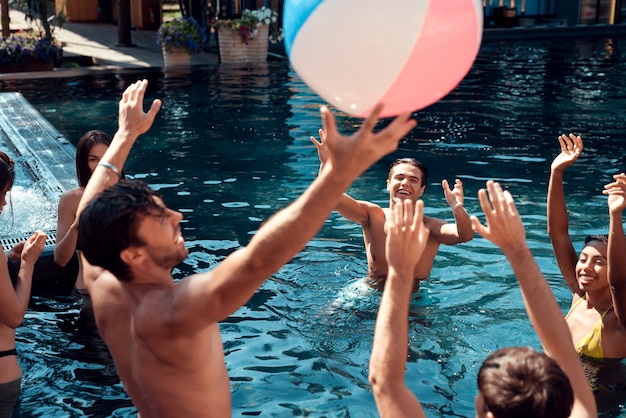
point(406, 180)
point(163, 336)
point(597, 316)
point(512, 381)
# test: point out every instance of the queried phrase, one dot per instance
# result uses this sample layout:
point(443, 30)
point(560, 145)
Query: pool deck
point(97, 42)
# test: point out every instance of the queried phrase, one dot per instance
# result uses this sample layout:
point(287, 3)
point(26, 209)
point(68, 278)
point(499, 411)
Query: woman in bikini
point(597, 316)
point(89, 151)
point(13, 299)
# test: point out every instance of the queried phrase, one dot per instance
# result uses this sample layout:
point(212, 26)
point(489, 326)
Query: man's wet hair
point(413, 162)
point(520, 382)
point(110, 222)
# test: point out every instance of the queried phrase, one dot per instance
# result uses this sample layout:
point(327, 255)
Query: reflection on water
point(231, 146)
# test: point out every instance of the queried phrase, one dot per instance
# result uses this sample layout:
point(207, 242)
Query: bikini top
point(591, 344)
point(12, 352)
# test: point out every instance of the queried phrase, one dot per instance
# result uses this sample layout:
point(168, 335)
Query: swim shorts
point(359, 296)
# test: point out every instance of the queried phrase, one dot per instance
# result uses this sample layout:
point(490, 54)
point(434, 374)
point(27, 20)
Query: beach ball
point(405, 53)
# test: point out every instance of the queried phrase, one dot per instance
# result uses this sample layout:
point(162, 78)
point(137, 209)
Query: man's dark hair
point(519, 382)
point(414, 163)
point(110, 222)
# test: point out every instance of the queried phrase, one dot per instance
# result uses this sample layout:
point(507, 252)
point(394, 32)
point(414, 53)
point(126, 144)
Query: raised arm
point(461, 230)
point(616, 253)
point(236, 279)
point(406, 240)
point(14, 299)
point(505, 229)
point(132, 123)
point(348, 207)
point(558, 228)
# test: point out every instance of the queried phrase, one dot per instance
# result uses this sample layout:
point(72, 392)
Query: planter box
point(31, 65)
point(233, 50)
point(177, 57)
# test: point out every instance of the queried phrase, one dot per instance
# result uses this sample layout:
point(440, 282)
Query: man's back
point(135, 321)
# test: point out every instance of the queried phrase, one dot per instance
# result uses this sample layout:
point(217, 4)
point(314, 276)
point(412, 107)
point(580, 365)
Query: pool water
point(231, 147)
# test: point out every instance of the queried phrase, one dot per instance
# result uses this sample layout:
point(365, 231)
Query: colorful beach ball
point(405, 53)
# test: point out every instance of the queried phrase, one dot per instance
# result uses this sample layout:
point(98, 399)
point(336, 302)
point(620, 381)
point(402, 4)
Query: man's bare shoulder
point(102, 283)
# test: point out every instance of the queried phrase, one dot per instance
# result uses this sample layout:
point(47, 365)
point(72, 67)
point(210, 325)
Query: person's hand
point(33, 247)
point(15, 253)
point(617, 193)
point(406, 236)
point(504, 225)
point(571, 147)
point(454, 197)
point(322, 153)
point(354, 154)
point(132, 119)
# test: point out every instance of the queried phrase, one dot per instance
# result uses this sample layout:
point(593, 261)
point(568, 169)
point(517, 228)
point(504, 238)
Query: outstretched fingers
point(504, 225)
point(577, 142)
point(322, 139)
point(571, 143)
point(619, 183)
point(406, 235)
point(486, 207)
point(131, 114)
point(328, 121)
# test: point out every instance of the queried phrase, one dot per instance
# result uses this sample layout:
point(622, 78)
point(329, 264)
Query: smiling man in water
point(407, 179)
point(164, 336)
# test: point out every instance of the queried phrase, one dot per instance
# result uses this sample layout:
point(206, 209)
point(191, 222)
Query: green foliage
point(42, 13)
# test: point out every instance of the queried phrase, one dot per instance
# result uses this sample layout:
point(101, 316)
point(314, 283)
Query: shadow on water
point(231, 146)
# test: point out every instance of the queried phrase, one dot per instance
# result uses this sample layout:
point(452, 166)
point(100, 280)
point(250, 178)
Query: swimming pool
point(231, 146)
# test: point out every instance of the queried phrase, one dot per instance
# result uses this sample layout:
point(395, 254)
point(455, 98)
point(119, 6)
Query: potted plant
point(180, 38)
point(245, 39)
point(23, 52)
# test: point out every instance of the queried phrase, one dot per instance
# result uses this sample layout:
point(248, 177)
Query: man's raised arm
point(132, 123)
point(288, 231)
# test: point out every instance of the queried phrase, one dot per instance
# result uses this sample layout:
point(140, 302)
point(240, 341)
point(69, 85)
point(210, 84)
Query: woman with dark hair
point(597, 315)
point(90, 149)
point(13, 300)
